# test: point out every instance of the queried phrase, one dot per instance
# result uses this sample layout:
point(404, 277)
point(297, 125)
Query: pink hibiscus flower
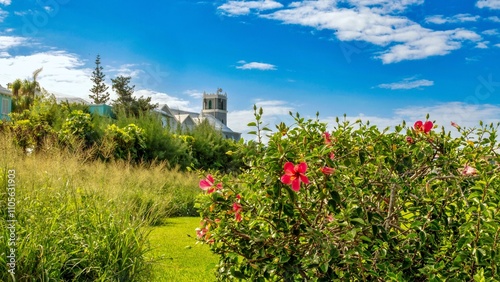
point(294, 174)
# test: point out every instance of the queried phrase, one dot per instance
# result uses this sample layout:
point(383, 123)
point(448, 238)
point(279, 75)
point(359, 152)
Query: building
point(215, 105)
point(214, 111)
point(5, 103)
point(102, 110)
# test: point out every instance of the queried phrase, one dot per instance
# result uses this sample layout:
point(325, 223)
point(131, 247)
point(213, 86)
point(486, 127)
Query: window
point(5, 106)
point(209, 104)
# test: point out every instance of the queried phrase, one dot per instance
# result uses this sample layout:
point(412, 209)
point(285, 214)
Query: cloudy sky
point(379, 60)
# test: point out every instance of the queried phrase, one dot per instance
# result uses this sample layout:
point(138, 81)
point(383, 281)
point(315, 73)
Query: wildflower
point(468, 170)
point(327, 170)
point(294, 174)
point(207, 184)
point(423, 127)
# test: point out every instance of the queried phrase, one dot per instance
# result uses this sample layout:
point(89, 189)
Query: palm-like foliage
point(24, 92)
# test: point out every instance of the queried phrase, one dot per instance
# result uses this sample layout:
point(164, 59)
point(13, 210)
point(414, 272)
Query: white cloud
point(194, 93)
point(5, 2)
point(255, 66)
point(482, 45)
point(494, 19)
point(8, 42)
point(460, 18)
point(237, 8)
point(386, 6)
point(131, 70)
point(275, 111)
point(491, 4)
point(497, 45)
point(373, 21)
point(408, 83)
point(62, 72)
point(3, 15)
point(490, 32)
point(427, 44)
point(164, 98)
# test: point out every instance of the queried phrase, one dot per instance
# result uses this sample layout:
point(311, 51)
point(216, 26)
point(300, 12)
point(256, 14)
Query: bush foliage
point(358, 204)
point(136, 138)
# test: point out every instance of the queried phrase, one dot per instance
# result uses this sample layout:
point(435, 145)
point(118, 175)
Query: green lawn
point(179, 257)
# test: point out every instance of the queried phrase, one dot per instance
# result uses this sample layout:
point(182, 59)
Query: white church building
point(214, 111)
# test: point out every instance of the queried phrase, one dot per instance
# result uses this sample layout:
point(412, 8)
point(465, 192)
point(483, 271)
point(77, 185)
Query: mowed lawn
point(178, 256)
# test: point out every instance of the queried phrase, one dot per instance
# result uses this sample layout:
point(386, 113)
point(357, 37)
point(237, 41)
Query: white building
point(214, 111)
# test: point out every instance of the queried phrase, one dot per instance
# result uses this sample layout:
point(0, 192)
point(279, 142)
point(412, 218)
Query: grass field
point(178, 257)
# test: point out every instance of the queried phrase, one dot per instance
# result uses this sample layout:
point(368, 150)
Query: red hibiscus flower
point(237, 209)
point(328, 140)
point(424, 127)
point(207, 184)
point(294, 174)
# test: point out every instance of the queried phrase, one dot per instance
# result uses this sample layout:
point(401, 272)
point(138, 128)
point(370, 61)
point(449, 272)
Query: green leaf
point(288, 210)
point(250, 124)
point(357, 221)
point(335, 196)
point(366, 239)
point(324, 267)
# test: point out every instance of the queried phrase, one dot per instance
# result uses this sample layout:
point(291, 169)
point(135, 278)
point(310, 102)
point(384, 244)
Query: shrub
point(30, 131)
point(128, 142)
point(161, 144)
point(77, 127)
point(358, 203)
point(211, 151)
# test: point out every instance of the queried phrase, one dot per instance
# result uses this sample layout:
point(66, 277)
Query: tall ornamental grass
point(80, 220)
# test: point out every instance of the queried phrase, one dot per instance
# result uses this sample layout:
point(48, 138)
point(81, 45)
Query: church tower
point(215, 105)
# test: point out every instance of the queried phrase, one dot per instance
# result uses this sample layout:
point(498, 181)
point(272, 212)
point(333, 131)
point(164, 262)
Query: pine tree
point(126, 101)
point(123, 90)
point(100, 96)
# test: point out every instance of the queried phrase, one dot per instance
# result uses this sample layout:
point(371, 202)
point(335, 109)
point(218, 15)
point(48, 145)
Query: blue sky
point(378, 60)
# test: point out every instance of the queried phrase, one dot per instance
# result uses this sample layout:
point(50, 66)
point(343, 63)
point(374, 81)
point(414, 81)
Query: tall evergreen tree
point(121, 85)
point(125, 100)
point(99, 94)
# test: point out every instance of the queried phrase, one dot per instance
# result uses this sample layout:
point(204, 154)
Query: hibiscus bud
point(332, 156)
point(468, 170)
point(238, 217)
point(409, 140)
point(327, 170)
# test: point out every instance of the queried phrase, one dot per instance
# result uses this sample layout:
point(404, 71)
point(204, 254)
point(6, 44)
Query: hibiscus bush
point(358, 204)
